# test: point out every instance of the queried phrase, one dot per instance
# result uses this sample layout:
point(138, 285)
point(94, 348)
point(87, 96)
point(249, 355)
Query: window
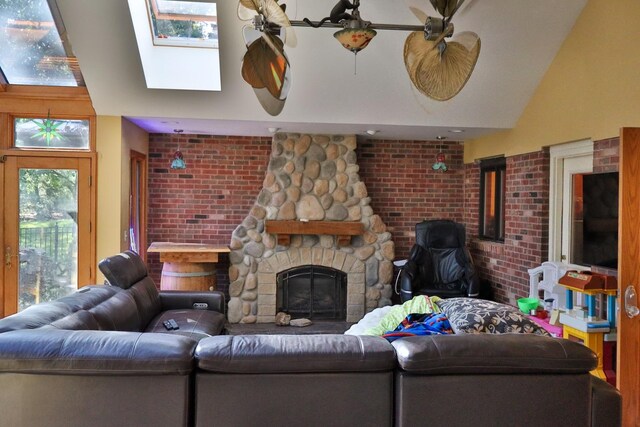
point(32, 50)
point(167, 33)
point(183, 23)
point(492, 195)
point(51, 133)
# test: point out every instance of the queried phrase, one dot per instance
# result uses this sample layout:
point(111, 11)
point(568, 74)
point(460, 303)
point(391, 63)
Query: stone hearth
point(310, 178)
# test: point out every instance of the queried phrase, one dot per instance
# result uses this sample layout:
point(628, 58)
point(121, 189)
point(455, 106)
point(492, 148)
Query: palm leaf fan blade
point(247, 9)
point(441, 76)
point(274, 13)
point(446, 8)
point(271, 105)
point(263, 68)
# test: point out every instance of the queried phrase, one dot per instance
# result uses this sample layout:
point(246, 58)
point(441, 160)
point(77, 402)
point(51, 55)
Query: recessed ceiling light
point(456, 130)
point(372, 132)
point(273, 130)
point(178, 130)
point(441, 138)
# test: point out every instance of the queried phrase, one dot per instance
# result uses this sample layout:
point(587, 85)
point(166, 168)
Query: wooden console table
point(188, 266)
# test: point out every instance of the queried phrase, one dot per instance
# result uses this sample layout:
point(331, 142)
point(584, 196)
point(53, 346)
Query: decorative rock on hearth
point(283, 319)
point(310, 177)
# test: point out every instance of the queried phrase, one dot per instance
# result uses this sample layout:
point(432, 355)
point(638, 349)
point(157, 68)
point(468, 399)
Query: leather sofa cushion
point(80, 320)
point(145, 294)
point(196, 324)
point(50, 351)
point(118, 313)
point(123, 270)
point(88, 296)
point(43, 314)
point(294, 354)
point(492, 354)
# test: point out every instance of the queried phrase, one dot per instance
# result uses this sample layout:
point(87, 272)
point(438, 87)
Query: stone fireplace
point(311, 179)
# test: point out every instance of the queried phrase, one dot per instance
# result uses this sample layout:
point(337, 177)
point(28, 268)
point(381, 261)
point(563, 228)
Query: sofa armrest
point(606, 404)
point(492, 354)
point(64, 352)
point(181, 300)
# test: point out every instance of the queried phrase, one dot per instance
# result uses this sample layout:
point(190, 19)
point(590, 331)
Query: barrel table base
point(188, 276)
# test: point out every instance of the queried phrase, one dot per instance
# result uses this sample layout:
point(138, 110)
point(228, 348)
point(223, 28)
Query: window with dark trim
point(492, 195)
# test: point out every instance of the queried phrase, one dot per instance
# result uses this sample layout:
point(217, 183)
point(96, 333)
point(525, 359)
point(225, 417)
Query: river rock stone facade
point(309, 177)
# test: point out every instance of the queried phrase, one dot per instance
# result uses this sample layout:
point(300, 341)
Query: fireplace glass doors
point(312, 292)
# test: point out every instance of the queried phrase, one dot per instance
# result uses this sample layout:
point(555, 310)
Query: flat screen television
point(596, 221)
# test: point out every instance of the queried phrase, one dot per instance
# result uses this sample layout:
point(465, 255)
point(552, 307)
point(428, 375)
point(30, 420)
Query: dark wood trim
point(342, 229)
point(628, 352)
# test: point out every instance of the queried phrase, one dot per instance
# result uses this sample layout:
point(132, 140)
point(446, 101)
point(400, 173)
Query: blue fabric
point(420, 324)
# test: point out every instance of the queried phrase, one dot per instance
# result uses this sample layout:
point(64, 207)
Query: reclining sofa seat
point(127, 271)
point(92, 359)
point(294, 380)
point(439, 263)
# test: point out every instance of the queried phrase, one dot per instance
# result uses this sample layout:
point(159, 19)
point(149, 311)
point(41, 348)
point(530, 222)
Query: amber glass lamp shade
point(355, 39)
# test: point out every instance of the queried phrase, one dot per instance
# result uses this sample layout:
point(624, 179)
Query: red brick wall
point(606, 155)
point(504, 265)
point(405, 190)
point(206, 201)
point(224, 174)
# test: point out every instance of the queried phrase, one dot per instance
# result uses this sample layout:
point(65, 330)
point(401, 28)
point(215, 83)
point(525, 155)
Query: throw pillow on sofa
point(477, 316)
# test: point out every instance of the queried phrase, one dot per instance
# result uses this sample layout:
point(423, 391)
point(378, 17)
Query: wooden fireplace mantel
point(342, 229)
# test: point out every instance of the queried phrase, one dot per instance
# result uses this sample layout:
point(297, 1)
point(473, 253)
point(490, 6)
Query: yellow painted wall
point(109, 148)
point(115, 138)
point(590, 91)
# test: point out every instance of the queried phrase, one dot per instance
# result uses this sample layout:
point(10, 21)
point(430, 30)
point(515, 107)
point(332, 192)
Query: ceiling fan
point(265, 65)
point(437, 68)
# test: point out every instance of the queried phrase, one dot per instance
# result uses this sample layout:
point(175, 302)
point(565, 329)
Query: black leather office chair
point(439, 263)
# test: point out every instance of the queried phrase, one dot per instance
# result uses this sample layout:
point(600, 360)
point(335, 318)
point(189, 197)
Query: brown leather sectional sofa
point(102, 357)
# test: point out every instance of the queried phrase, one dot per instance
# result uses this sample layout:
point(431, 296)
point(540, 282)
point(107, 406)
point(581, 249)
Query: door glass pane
point(577, 222)
point(48, 248)
point(51, 133)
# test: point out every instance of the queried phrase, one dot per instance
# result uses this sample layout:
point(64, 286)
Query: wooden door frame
point(137, 158)
point(628, 365)
point(86, 249)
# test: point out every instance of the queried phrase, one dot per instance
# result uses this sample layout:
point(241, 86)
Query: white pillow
point(370, 320)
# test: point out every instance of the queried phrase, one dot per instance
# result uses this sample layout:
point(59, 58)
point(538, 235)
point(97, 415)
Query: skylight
point(167, 53)
point(183, 23)
point(32, 51)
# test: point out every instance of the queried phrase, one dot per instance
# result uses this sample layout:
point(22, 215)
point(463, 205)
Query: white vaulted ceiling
point(519, 40)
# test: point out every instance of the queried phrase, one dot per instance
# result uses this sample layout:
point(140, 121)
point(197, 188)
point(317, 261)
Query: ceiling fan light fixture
point(355, 39)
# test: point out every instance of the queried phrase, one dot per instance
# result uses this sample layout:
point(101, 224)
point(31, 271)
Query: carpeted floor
point(318, 327)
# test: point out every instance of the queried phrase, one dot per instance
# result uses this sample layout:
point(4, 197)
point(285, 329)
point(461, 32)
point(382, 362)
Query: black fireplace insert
point(313, 292)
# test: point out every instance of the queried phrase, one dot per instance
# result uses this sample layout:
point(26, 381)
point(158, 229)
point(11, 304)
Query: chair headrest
point(440, 234)
point(123, 270)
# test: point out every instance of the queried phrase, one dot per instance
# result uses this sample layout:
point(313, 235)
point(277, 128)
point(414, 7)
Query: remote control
point(170, 325)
